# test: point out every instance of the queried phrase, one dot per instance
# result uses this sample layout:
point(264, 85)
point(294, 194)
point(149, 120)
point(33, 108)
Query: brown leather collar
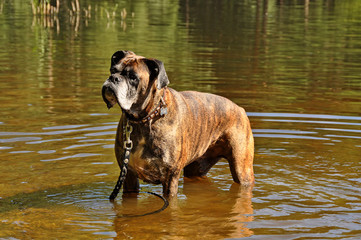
point(161, 110)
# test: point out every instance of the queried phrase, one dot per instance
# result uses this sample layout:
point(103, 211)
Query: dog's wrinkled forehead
point(128, 63)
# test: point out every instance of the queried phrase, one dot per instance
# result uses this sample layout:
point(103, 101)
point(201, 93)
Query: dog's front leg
point(131, 182)
point(170, 185)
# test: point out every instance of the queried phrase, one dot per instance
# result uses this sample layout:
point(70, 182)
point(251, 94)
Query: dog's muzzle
point(108, 94)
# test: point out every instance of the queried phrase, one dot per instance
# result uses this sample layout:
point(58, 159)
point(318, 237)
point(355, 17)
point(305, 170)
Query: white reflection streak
point(309, 121)
point(79, 155)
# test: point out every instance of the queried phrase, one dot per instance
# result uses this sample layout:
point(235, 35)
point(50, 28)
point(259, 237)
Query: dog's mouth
point(109, 97)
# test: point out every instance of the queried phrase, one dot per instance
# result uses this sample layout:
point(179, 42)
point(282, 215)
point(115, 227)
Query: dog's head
point(133, 81)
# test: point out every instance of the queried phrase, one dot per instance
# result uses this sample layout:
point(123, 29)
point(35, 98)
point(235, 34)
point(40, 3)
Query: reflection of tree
point(58, 60)
point(45, 7)
point(46, 13)
point(272, 46)
point(228, 47)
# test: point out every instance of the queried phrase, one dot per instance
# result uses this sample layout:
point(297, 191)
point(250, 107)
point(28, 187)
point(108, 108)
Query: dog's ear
point(157, 71)
point(119, 55)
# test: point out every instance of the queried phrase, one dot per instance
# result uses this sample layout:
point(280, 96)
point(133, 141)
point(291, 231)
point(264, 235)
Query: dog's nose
point(113, 79)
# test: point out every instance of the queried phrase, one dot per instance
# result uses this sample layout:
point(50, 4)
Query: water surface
point(295, 66)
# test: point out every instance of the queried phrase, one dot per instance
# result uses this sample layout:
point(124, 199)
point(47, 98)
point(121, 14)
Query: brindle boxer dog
point(174, 131)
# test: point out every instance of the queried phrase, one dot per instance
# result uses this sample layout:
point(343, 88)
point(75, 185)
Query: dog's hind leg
point(240, 158)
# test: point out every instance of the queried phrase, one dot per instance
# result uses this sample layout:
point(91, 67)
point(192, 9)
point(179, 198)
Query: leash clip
point(128, 129)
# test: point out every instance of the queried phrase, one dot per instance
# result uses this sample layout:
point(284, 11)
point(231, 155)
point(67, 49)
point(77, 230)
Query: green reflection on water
point(268, 56)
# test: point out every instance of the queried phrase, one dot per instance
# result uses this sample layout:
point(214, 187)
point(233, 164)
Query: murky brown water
point(295, 67)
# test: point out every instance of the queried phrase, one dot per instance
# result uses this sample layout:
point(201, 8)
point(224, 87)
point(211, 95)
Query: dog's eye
point(133, 79)
point(132, 76)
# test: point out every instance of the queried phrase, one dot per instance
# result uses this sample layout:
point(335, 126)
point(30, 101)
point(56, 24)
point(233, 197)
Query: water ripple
point(299, 115)
point(78, 155)
point(19, 139)
point(304, 126)
point(289, 136)
point(302, 184)
point(312, 122)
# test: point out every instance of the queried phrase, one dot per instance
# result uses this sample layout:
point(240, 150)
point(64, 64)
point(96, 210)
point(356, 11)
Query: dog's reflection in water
point(203, 211)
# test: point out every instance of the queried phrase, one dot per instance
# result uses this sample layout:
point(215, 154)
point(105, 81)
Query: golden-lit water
point(295, 66)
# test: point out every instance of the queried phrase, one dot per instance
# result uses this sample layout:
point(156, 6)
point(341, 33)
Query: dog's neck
point(154, 110)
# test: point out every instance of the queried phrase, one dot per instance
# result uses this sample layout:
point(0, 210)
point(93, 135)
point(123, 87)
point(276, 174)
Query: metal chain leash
point(128, 145)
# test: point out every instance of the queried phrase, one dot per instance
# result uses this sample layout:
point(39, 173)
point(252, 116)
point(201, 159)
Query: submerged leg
point(131, 182)
point(241, 158)
point(170, 186)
